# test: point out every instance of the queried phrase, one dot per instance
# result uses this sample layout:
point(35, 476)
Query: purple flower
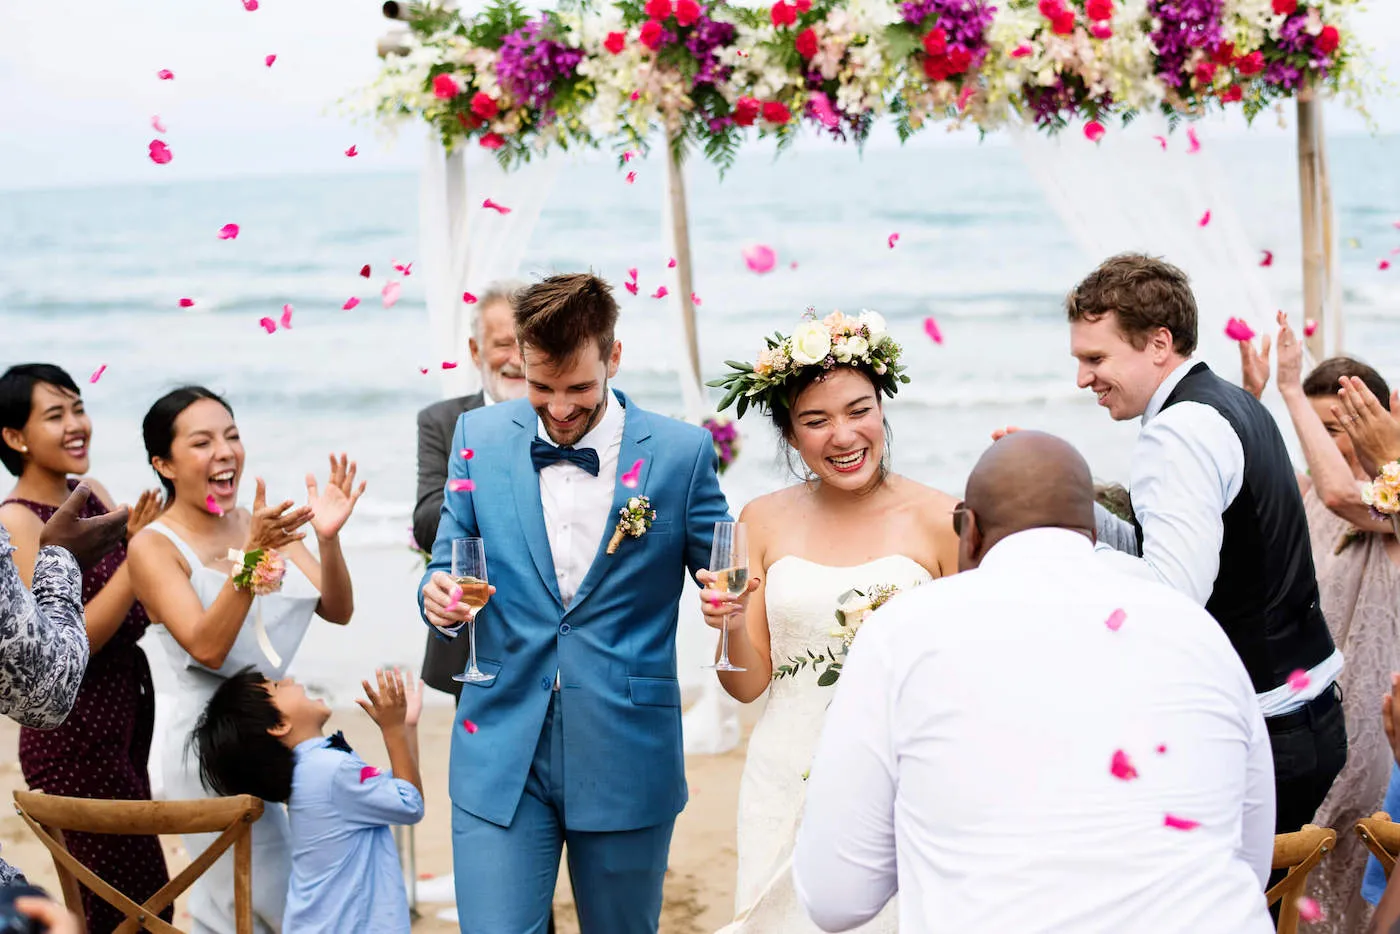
point(707, 37)
point(965, 21)
point(528, 65)
point(1183, 26)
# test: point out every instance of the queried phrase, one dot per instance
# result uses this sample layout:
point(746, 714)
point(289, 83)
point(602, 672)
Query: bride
point(849, 524)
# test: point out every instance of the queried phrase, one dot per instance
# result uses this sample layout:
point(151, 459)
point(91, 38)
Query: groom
point(577, 740)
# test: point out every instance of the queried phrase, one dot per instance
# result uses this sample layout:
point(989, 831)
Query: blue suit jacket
point(614, 646)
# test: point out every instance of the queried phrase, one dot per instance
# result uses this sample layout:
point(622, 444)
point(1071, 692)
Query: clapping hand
point(147, 509)
point(1290, 357)
point(721, 609)
point(333, 506)
point(89, 540)
point(1254, 364)
point(274, 526)
point(1374, 432)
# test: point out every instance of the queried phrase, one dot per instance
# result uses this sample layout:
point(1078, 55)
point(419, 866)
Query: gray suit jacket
point(436, 423)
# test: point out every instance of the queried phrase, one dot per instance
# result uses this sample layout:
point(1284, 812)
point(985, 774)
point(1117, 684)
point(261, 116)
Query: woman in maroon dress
point(100, 750)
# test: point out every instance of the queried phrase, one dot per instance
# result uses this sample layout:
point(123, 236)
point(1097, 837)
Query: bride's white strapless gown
point(801, 603)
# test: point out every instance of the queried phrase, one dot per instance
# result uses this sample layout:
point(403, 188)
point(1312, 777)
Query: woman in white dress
point(850, 524)
point(181, 567)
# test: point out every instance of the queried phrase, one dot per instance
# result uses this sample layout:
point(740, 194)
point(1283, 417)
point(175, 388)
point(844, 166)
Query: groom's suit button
point(564, 629)
point(546, 683)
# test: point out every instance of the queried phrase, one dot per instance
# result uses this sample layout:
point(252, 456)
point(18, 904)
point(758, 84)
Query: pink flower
point(775, 112)
point(186, 303)
point(1238, 330)
point(445, 87)
point(228, 232)
point(269, 60)
point(820, 106)
point(1115, 620)
point(1063, 23)
point(159, 152)
point(492, 141)
point(687, 12)
point(97, 374)
point(1121, 766)
point(484, 105)
point(783, 14)
point(1101, 31)
point(461, 486)
point(1298, 680)
point(657, 9)
point(1180, 823)
point(934, 332)
point(745, 111)
point(760, 258)
point(806, 42)
point(615, 42)
point(1094, 131)
point(350, 303)
point(650, 35)
point(1328, 39)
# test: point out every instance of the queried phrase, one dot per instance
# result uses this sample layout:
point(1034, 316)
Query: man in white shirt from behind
point(1040, 743)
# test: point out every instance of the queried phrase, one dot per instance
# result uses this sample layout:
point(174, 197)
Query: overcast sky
point(78, 88)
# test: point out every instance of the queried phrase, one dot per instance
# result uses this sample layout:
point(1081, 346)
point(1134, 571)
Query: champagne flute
point(729, 556)
point(469, 573)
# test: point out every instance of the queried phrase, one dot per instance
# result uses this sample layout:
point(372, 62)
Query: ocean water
point(91, 277)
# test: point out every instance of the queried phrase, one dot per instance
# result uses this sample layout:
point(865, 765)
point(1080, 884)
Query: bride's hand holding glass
point(331, 507)
point(718, 606)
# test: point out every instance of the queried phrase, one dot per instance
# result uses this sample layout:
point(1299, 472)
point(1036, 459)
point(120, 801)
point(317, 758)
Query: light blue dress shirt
point(346, 874)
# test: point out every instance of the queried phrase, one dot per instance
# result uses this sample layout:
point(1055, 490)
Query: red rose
point(936, 68)
point(1099, 10)
point(446, 87)
point(1223, 54)
point(615, 42)
point(493, 141)
point(745, 111)
point(1231, 94)
point(1063, 23)
point(1251, 64)
point(784, 14)
point(650, 35)
point(806, 42)
point(687, 12)
point(936, 42)
point(803, 5)
point(1329, 39)
point(959, 59)
point(1051, 8)
point(657, 9)
point(1285, 7)
point(775, 112)
point(1205, 73)
point(484, 105)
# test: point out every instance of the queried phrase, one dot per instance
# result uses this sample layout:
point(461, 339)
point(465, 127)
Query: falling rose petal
point(405, 268)
point(1115, 620)
point(1309, 327)
point(793, 264)
point(157, 124)
point(228, 232)
point(760, 258)
point(932, 330)
point(449, 364)
point(165, 74)
point(695, 299)
point(1268, 259)
point(159, 152)
point(627, 156)
point(1383, 265)
point(632, 477)
point(367, 772)
point(1309, 911)
point(1180, 823)
point(186, 303)
point(490, 205)
point(461, 486)
point(390, 293)
point(467, 454)
point(269, 60)
point(1161, 141)
point(469, 298)
point(423, 370)
point(268, 324)
point(661, 292)
point(1094, 131)
point(1162, 749)
point(631, 178)
point(97, 374)
point(454, 596)
point(1298, 680)
point(1238, 330)
point(671, 264)
point(287, 316)
point(250, 6)
point(350, 302)
point(469, 726)
point(631, 287)
point(352, 152)
point(364, 270)
point(212, 505)
point(1205, 219)
point(632, 273)
point(1193, 140)
point(1395, 250)
point(892, 239)
point(1121, 766)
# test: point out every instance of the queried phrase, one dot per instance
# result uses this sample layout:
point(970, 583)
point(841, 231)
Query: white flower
point(875, 324)
point(856, 347)
point(811, 342)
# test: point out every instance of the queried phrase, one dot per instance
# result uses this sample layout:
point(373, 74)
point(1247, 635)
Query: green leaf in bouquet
point(830, 676)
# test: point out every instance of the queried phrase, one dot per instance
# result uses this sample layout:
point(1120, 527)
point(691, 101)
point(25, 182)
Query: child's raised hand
point(413, 694)
point(388, 706)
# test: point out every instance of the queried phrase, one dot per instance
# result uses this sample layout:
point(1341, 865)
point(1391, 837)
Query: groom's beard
point(575, 434)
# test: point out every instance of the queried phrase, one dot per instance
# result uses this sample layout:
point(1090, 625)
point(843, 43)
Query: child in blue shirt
point(265, 738)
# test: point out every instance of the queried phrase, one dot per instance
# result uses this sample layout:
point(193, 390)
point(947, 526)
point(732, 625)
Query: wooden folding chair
point(1382, 838)
point(1299, 853)
point(232, 818)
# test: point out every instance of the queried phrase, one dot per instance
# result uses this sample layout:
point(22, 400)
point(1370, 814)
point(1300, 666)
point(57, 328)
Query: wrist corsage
point(260, 571)
point(635, 518)
point(1383, 493)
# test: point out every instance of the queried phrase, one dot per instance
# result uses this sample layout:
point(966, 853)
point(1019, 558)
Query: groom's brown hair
point(558, 315)
point(1144, 293)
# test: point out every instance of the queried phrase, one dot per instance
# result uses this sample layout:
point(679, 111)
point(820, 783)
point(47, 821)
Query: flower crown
point(836, 340)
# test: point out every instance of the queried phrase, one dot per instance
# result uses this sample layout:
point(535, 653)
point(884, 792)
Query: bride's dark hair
point(782, 418)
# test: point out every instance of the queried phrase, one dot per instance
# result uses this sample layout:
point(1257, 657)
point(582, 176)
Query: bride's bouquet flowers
point(853, 608)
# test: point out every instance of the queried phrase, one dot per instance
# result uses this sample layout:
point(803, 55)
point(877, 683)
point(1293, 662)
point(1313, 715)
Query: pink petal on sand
point(186, 303)
point(454, 596)
point(287, 316)
point(212, 505)
point(350, 302)
point(469, 726)
point(449, 364)
point(461, 486)
point(932, 330)
point(157, 124)
point(97, 374)
point(661, 292)
point(364, 270)
point(1180, 823)
point(228, 232)
point(631, 178)
point(367, 772)
point(165, 74)
point(632, 477)
point(1094, 131)
point(1238, 330)
point(352, 152)
point(1309, 911)
point(1122, 767)
point(1309, 327)
point(490, 205)
point(1298, 680)
point(1205, 219)
point(159, 152)
point(468, 298)
point(892, 239)
point(671, 263)
point(269, 60)
point(632, 273)
point(467, 454)
point(1162, 141)
point(695, 299)
point(630, 286)
point(760, 258)
point(390, 293)
point(1268, 259)
point(1193, 140)
point(1115, 620)
point(268, 324)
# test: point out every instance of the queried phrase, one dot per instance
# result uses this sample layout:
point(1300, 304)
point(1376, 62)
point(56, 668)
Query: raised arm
point(432, 477)
point(42, 640)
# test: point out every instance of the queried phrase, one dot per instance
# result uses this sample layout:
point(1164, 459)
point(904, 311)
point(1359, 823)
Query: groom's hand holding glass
point(439, 607)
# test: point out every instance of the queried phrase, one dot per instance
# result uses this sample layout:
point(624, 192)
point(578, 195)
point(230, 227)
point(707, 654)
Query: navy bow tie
point(542, 454)
point(337, 741)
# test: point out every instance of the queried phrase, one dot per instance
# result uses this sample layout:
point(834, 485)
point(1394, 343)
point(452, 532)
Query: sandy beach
point(699, 880)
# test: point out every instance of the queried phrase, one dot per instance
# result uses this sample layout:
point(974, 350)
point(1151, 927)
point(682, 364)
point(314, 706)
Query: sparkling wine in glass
point(469, 573)
point(729, 558)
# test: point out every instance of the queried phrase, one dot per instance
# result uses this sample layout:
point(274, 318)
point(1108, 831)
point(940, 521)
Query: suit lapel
point(636, 445)
point(526, 484)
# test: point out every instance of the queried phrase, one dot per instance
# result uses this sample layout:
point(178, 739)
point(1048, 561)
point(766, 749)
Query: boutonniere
point(633, 520)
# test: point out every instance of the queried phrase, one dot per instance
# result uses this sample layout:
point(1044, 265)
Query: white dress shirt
point(1188, 467)
point(965, 760)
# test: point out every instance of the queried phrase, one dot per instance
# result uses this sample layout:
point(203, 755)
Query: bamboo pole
point(1311, 214)
point(1332, 298)
point(680, 237)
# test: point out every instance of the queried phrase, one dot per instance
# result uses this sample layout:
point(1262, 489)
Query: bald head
point(1027, 480)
